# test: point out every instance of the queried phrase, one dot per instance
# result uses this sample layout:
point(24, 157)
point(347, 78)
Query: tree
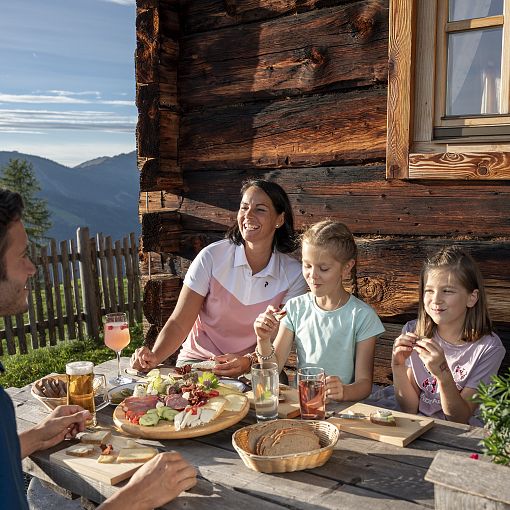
point(18, 175)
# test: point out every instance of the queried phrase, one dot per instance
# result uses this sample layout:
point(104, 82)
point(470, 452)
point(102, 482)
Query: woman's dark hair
point(11, 208)
point(453, 258)
point(284, 238)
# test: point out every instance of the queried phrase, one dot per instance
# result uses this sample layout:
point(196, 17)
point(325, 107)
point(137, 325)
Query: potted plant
point(462, 480)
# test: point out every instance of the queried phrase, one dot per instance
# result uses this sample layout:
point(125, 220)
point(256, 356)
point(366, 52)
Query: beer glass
point(83, 388)
point(312, 393)
point(266, 385)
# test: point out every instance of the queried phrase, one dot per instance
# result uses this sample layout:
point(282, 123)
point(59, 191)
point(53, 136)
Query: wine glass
point(116, 337)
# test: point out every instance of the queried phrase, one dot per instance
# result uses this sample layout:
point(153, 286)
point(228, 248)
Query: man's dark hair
point(11, 209)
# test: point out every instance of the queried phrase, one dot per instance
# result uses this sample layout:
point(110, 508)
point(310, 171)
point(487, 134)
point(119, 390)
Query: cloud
point(39, 121)
point(61, 97)
point(121, 2)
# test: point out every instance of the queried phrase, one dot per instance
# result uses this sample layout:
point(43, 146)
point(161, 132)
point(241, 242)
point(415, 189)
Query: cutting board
point(408, 428)
point(88, 466)
point(287, 409)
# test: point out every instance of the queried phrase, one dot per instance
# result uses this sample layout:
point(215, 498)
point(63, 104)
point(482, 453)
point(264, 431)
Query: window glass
point(473, 83)
point(468, 9)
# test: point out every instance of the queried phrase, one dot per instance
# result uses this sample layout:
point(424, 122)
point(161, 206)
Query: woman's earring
point(276, 226)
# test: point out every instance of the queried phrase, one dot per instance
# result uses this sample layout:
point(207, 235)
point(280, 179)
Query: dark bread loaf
point(267, 428)
point(289, 441)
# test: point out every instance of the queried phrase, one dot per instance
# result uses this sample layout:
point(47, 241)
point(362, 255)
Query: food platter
point(166, 430)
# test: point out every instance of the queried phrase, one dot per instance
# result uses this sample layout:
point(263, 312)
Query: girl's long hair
point(477, 322)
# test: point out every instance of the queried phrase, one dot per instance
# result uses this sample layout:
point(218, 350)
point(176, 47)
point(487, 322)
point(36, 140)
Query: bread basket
point(48, 402)
point(328, 436)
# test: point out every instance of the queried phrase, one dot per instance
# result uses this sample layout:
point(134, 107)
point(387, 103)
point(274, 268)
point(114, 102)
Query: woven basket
point(328, 436)
point(51, 403)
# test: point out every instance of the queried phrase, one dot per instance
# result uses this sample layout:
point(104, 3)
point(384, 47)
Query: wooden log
point(56, 285)
point(38, 297)
point(160, 295)
point(49, 296)
point(158, 174)
point(147, 128)
point(213, 14)
point(67, 287)
point(76, 287)
point(161, 231)
point(147, 43)
point(103, 271)
point(300, 54)
point(136, 275)
point(348, 127)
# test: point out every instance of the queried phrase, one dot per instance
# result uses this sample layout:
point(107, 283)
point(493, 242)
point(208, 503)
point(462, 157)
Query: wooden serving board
point(88, 466)
point(166, 430)
point(287, 409)
point(408, 428)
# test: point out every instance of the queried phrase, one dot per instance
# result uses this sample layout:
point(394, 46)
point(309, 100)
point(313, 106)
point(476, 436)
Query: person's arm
point(157, 482)
point(457, 405)
point(363, 375)
point(64, 422)
point(407, 392)
point(174, 332)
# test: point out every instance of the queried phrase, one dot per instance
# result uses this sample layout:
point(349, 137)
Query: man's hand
point(160, 480)
point(144, 359)
point(64, 422)
point(231, 365)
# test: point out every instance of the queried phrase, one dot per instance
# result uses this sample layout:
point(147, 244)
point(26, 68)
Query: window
point(449, 89)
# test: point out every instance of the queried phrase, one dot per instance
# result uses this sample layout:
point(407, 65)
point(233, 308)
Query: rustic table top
point(361, 473)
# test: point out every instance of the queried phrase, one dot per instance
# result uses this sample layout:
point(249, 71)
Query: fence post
point(87, 275)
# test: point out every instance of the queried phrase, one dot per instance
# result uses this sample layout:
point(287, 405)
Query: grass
point(22, 369)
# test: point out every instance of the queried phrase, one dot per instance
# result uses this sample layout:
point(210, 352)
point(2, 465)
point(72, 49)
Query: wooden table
point(361, 473)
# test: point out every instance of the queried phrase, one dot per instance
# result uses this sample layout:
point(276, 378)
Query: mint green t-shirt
point(328, 339)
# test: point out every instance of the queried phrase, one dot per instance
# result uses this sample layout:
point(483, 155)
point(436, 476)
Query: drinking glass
point(312, 393)
point(83, 388)
point(116, 337)
point(265, 384)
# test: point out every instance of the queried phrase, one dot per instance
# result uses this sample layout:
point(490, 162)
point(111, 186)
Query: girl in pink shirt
point(439, 359)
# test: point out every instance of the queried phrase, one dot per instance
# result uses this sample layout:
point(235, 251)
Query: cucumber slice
point(149, 420)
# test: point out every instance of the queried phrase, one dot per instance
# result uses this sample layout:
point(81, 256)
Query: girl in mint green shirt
point(331, 328)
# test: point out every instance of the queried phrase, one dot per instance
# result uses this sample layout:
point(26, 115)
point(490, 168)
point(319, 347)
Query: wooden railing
point(76, 283)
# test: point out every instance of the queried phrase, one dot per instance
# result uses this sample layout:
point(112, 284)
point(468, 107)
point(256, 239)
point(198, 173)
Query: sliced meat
point(176, 402)
point(139, 404)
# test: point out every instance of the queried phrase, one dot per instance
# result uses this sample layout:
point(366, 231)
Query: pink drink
point(312, 400)
point(116, 335)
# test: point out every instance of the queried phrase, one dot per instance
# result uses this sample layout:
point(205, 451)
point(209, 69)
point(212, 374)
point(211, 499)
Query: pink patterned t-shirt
point(469, 363)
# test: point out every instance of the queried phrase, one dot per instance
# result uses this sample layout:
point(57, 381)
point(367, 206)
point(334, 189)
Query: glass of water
point(265, 383)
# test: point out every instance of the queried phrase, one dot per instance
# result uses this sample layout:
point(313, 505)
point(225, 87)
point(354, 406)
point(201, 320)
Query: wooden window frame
point(459, 159)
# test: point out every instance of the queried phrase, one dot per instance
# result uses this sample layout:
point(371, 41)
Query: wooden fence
point(76, 283)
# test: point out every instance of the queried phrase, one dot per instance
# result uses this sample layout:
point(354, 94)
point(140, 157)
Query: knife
point(133, 371)
point(349, 416)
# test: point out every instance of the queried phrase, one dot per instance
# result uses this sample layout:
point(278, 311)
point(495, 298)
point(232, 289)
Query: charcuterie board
point(166, 430)
point(289, 408)
point(408, 426)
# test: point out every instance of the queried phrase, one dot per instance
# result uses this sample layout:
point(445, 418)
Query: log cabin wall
point(295, 91)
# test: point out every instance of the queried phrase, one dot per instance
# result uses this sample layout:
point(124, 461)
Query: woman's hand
point(402, 348)
point(334, 388)
point(231, 365)
point(143, 359)
point(266, 325)
point(432, 356)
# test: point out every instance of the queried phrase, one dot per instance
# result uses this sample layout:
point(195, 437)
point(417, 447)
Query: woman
point(229, 283)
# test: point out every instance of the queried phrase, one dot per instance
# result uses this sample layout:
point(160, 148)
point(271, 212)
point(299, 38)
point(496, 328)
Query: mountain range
point(101, 194)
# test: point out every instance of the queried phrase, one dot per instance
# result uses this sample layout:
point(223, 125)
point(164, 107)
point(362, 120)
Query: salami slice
point(140, 404)
point(176, 402)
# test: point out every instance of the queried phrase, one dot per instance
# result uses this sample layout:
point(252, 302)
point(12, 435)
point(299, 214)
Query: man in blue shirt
point(160, 480)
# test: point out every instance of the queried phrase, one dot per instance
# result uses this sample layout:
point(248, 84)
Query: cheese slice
point(235, 402)
point(217, 404)
point(81, 450)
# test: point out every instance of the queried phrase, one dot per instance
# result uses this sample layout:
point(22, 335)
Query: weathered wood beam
point(160, 297)
point(323, 50)
point(161, 232)
point(349, 127)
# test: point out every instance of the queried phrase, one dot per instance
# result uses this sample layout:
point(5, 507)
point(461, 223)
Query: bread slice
point(107, 459)
point(290, 441)
point(383, 417)
point(136, 454)
point(267, 428)
point(99, 437)
point(81, 450)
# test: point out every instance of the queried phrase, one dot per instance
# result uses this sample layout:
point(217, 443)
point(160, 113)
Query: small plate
point(118, 389)
point(234, 383)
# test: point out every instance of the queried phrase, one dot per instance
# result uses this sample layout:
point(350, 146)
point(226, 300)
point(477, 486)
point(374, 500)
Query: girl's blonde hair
point(333, 236)
point(477, 322)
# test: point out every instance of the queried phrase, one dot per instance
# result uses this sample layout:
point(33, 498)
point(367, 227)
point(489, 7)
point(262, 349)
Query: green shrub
point(23, 369)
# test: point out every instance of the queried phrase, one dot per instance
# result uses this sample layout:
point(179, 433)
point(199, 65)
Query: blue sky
point(67, 84)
